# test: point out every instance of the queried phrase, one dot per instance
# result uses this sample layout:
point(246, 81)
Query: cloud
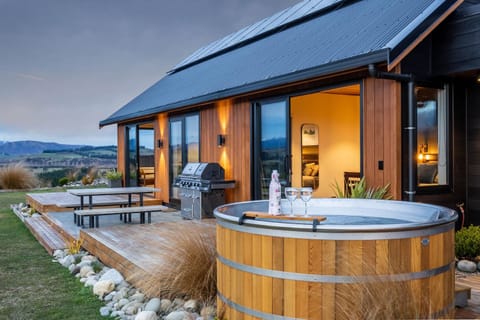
point(29, 76)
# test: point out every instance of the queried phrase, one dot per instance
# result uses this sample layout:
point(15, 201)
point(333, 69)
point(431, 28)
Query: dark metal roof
point(290, 15)
point(348, 36)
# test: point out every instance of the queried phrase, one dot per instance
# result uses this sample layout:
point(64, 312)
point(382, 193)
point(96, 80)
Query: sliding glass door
point(140, 160)
point(271, 145)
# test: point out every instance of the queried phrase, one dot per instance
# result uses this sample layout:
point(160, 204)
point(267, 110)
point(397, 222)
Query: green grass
point(31, 285)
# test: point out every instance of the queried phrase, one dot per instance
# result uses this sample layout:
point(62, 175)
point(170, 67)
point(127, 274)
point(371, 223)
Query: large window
point(432, 133)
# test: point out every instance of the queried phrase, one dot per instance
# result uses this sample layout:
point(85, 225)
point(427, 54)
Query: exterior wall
point(231, 118)
point(382, 134)
point(161, 158)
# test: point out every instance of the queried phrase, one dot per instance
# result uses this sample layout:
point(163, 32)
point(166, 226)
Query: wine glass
point(291, 194)
point(306, 195)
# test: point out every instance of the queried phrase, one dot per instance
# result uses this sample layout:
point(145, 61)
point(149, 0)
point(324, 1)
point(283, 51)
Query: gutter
point(410, 129)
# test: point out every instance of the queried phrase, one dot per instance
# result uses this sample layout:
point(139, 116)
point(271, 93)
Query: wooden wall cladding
point(121, 150)
point(382, 134)
point(161, 158)
point(232, 119)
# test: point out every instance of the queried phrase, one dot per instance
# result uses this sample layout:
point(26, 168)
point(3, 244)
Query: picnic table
point(90, 193)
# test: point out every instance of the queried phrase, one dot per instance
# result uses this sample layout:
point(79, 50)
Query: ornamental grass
point(17, 177)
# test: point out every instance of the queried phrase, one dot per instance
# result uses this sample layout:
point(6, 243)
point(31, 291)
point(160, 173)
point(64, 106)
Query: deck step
point(48, 237)
point(462, 295)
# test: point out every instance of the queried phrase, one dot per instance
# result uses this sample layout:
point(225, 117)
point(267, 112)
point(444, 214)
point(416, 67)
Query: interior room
point(326, 139)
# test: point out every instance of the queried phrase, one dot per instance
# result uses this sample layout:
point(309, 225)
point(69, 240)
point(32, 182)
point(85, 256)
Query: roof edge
point(338, 66)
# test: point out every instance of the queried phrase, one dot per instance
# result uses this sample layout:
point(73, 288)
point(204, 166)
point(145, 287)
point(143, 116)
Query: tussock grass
point(187, 266)
point(17, 177)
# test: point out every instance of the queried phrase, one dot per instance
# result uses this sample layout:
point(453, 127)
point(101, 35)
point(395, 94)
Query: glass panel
point(273, 144)
point(310, 167)
point(146, 159)
point(192, 138)
point(176, 156)
point(131, 174)
point(432, 136)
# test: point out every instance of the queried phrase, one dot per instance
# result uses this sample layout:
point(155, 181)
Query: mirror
point(310, 165)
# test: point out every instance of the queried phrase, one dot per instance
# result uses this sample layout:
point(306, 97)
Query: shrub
point(63, 181)
point(467, 242)
point(17, 177)
point(74, 246)
point(113, 175)
point(187, 265)
point(361, 191)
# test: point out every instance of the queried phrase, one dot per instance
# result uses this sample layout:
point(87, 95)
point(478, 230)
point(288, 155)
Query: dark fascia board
point(375, 57)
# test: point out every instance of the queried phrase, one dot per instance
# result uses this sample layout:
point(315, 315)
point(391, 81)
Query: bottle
point(274, 194)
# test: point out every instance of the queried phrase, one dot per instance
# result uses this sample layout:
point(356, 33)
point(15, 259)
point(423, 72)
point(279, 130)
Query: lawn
point(31, 285)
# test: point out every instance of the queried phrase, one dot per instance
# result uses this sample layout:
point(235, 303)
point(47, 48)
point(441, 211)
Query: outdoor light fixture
point(160, 143)
point(220, 140)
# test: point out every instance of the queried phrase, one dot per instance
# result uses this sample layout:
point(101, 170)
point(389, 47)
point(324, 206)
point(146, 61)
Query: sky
point(65, 65)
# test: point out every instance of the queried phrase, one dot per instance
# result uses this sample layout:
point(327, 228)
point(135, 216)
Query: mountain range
point(16, 148)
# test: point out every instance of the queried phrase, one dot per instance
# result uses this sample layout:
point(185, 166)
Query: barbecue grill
point(202, 189)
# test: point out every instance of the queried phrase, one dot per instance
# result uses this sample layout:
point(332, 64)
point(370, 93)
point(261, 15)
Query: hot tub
point(368, 259)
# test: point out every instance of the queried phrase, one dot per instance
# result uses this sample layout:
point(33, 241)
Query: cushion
point(427, 173)
point(307, 171)
point(315, 170)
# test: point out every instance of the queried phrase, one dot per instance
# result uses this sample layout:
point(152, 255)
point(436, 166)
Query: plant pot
point(115, 183)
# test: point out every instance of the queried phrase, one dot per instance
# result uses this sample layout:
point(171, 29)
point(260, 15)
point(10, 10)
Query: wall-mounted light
point(160, 143)
point(220, 140)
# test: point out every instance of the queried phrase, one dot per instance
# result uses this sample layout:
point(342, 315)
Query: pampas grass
point(17, 177)
point(187, 266)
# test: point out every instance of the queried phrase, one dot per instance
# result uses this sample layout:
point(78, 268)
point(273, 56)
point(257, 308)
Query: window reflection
point(431, 136)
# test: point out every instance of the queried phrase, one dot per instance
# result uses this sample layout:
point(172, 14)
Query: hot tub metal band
point(269, 316)
point(335, 234)
point(285, 275)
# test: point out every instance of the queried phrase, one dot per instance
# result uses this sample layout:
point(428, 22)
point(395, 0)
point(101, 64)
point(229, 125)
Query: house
point(385, 89)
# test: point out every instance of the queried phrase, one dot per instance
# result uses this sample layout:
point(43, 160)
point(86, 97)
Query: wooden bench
point(94, 214)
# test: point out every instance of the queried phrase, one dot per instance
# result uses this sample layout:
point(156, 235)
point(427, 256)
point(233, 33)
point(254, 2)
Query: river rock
point(467, 266)
point(89, 257)
point(84, 271)
point(146, 315)
point(122, 302)
point(113, 275)
point(103, 287)
point(192, 305)
point(138, 297)
point(177, 315)
point(132, 307)
point(67, 261)
point(105, 311)
point(90, 281)
point(84, 263)
point(153, 305)
point(165, 305)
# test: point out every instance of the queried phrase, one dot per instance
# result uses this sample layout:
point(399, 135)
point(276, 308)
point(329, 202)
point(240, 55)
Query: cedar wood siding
point(382, 134)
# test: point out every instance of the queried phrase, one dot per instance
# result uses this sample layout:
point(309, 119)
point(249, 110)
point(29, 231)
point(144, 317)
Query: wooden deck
point(472, 311)
point(49, 237)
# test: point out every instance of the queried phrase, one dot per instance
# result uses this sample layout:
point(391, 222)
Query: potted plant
point(114, 179)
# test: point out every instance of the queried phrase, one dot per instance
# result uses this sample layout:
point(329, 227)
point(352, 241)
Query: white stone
point(153, 305)
point(84, 271)
point(177, 315)
point(139, 297)
point(58, 254)
point(122, 302)
point(467, 266)
point(192, 305)
point(105, 311)
point(90, 282)
point(131, 307)
point(165, 305)
point(117, 313)
point(103, 287)
point(109, 297)
point(84, 263)
point(178, 302)
point(67, 261)
point(83, 280)
point(113, 275)
point(146, 315)
point(89, 258)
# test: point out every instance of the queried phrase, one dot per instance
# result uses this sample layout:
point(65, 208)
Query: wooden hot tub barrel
point(285, 270)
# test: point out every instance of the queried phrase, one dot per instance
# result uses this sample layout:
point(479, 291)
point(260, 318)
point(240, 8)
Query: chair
point(350, 179)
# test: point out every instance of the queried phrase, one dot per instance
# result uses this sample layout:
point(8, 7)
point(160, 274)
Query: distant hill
point(16, 148)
